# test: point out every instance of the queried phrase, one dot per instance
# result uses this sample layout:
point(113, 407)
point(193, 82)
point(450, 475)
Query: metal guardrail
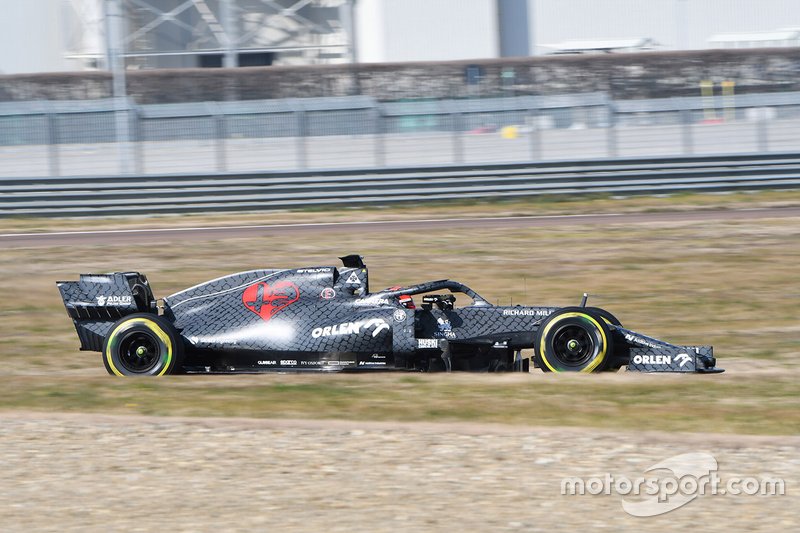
point(121, 137)
point(113, 195)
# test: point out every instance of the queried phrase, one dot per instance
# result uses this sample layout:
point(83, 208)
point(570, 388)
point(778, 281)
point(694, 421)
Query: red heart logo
point(267, 300)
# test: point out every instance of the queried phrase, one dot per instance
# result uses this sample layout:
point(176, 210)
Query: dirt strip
point(24, 240)
point(70, 472)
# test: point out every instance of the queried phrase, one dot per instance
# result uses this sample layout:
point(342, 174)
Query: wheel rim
point(139, 352)
point(573, 345)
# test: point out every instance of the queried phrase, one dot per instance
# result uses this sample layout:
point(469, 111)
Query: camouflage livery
point(326, 319)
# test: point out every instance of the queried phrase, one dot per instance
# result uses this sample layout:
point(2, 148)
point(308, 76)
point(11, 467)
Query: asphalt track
point(206, 233)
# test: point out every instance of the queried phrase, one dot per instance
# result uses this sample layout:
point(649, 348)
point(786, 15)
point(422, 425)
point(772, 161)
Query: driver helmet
point(407, 301)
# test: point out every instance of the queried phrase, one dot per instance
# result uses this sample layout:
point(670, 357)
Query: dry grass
point(555, 205)
point(731, 284)
point(768, 404)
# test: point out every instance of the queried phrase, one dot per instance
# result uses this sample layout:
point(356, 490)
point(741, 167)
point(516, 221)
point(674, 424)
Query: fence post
point(219, 131)
point(52, 145)
point(686, 130)
point(139, 140)
point(380, 137)
point(761, 129)
point(302, 149)
point(458, 138)
point(535, 136)
point(611, 131)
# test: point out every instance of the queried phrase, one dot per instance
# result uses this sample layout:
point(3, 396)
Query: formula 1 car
point(326, 319)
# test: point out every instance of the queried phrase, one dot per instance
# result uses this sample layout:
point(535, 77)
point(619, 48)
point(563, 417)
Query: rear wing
point(96, 301)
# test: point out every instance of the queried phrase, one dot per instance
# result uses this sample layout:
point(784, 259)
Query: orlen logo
point(351, 328)
point(652, 359)
point(681, 359)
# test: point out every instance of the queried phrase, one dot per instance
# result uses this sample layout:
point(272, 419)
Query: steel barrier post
point(611, 131)
point(686, 131)
point(458, 139)
point(535, 136)
point(138, 156)
point(53, 152)
point(380, 138)
point(302, 148)
point(763, 134)
point(219, 131)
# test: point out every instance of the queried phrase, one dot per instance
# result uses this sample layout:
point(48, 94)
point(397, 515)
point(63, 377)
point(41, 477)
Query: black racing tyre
point(573, 339)
point(142, 344)
point(617, 362)
point(605, 315)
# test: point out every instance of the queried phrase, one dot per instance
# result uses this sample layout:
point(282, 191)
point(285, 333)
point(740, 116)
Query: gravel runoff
point(84, 472)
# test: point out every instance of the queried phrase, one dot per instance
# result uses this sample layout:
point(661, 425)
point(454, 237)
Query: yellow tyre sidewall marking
point(152, 326)
point(600, 357)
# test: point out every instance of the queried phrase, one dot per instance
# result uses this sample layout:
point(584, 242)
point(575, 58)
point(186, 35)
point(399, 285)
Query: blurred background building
point(69, 35)
point(377, 83)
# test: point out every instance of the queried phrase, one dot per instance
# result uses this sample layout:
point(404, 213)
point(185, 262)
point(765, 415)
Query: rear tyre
point(573, 339)
point(142, 345)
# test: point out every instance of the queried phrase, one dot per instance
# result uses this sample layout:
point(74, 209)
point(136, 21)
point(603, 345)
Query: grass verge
point(732, 284)
point(765, 405)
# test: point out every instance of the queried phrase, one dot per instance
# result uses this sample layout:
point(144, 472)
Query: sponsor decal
point(372, 301)
point(427, 343)
point(288, 362)
point(682, 358)
point(327, 294)
point(445, 329)
point(653, 359)
point(313, 270)
point(641, 342)
point(353, 279)
point(399, 315)
point(525, 312)
point(226, 342)
point(267, 363)
point(351, 328)
point(267, 300)
point(114, 300)
point(371, 363)
point(500, 344)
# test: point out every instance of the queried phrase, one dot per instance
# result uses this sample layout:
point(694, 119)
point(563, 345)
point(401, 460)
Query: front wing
point(647, 354)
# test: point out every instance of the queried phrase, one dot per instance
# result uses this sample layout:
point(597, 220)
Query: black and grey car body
point(326, 319)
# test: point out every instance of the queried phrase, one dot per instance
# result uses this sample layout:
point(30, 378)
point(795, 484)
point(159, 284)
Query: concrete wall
point(626, 76)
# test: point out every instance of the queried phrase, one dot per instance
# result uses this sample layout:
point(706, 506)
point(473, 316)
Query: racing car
point(326, 319)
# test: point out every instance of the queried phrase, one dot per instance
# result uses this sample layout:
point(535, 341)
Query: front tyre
point(617, 362)
point(573, 339)
point(142, 345)
point(605, 315)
